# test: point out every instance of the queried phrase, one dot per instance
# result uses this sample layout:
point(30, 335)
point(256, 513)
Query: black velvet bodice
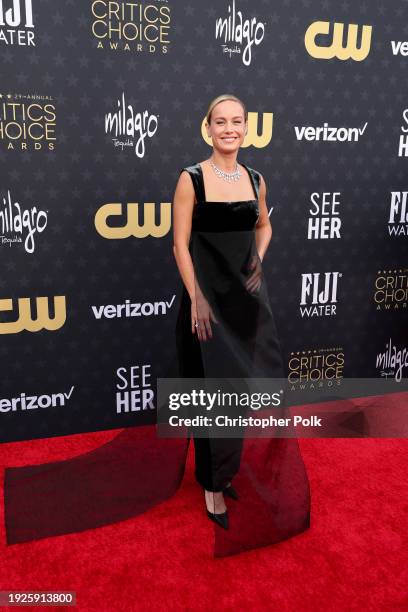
point(210, 216)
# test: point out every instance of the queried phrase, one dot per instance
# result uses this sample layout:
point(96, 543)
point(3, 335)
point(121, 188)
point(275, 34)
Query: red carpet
point(354, 556)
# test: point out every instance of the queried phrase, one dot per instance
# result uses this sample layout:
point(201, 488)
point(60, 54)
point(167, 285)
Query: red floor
point(354, 557)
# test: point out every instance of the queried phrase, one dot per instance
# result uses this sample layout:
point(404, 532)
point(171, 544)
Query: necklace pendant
point(226, 176)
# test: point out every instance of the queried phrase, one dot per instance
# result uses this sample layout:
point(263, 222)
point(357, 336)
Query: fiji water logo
point(16, 23)
point(319, 294)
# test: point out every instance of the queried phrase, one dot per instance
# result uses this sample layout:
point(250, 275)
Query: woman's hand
point(201, 313)
point(255, 279)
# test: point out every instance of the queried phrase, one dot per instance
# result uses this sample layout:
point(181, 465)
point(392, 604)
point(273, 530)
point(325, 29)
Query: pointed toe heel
point(220, 518)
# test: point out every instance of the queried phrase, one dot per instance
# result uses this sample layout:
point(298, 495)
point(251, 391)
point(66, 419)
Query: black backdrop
point(69, 171)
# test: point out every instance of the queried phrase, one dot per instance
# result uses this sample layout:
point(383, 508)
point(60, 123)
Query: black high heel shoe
point(230, 492)
point(220, 518)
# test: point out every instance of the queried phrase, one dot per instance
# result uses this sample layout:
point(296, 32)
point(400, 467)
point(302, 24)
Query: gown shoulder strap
point(255, 178)
point(196, 176)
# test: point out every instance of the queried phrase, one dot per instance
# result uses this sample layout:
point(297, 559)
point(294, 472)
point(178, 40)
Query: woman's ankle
point(215, 501)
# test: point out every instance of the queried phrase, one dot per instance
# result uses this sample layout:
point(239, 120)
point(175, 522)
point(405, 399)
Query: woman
point(225, 326)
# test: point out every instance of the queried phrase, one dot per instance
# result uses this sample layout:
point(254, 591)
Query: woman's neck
point(228, 163)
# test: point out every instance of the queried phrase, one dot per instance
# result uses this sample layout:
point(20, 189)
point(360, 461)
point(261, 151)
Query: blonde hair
point(221, 98)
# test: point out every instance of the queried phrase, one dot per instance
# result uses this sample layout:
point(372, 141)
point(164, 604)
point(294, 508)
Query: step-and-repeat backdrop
point(101, 105)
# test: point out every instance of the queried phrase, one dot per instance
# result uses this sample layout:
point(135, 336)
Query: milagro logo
point(392, 361)
point(135, 309)
point(17, 225)
point(398, 217)
point(329, 134)
point(319, 298)
point(237, 32)
point(16, 23)
point(130, 128)
point(32, 402)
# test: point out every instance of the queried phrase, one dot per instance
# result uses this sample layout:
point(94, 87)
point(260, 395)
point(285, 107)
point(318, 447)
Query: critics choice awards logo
point(16, 23)
point(391, 289)
point(27, 122)
point(131, 26)
point(316, 368)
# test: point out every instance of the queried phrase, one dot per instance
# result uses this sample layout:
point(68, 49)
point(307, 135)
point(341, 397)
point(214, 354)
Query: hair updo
point(219, 99)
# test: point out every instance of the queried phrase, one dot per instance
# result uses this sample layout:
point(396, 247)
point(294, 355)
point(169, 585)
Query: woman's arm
point(183, 204)
point(263, 233)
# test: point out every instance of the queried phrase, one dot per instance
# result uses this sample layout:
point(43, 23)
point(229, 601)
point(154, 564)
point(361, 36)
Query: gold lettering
point(132, 226)
point(336, 49)
point(25, 320)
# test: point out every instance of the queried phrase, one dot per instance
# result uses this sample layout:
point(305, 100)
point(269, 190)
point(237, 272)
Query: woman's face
point(228, 126)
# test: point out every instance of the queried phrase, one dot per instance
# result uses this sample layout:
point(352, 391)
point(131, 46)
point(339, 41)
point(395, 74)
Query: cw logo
point(27, 322)
point(132, 226)
point(336, 49)
point(252, 138)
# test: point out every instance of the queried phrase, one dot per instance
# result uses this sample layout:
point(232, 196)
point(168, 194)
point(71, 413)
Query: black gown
point(138, 468)
point(269, 473)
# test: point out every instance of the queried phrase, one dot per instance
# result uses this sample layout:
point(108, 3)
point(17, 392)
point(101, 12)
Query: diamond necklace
point(227, 176)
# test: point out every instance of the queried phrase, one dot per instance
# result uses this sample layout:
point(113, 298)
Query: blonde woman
point(225, 326)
